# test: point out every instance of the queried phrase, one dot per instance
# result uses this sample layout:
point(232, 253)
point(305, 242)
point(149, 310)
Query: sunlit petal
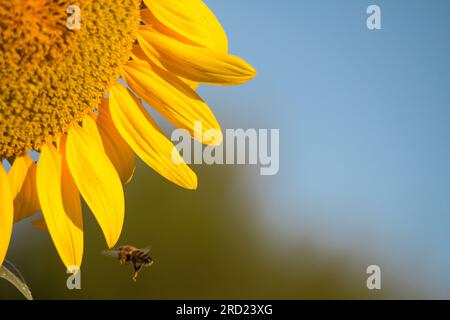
point(187, 20)
point(6, 213)
point(118, 151)
point(170, 96)
point(61, 206)
point(145, 138)
point(195, 63)
point(22, 177)
point(139, 54)
point(102, 130)
point(97, 180)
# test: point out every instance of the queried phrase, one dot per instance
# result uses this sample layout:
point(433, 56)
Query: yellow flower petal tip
point(97, 180)
point(192, 184)
point(213, 137)
point(140, 131)
point(171, 97)
point(192, 62)
point(61, 205)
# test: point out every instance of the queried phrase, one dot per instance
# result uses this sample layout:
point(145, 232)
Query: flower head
point(60, 96)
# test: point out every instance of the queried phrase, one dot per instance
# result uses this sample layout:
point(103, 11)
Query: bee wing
point(146, 249)
point(111, 253)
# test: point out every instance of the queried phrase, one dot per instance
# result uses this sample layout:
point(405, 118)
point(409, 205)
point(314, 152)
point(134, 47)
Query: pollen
point(51, 76)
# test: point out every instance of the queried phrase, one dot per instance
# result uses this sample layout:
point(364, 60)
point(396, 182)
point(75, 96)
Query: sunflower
point(73, 97)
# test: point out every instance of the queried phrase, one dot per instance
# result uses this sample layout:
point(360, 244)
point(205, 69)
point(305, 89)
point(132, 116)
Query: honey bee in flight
point(139, 258)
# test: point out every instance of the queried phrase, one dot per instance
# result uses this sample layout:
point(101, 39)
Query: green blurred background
point(208, 244)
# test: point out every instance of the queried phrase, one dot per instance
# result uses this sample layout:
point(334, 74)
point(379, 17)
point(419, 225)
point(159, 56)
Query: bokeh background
point(364, 169)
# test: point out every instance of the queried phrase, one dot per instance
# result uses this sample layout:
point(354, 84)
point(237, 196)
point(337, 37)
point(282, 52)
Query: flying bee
point(139, 258)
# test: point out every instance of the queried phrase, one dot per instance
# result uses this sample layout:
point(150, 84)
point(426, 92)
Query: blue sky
point(364, 120)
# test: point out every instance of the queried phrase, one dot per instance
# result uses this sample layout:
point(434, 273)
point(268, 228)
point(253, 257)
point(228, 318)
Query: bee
point(139, 258)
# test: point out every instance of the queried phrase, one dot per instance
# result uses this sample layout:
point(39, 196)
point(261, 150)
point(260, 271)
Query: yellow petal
point(118, 151)
point(60, 204)
point(194, 63)
point(145, 138)
point(90, 127)
point(98, 182)
point(22, 177)
point(194, 85)
point(171, 97)
point(6, 213)
point(40, 224)
point(187, 20)
point(139, 54)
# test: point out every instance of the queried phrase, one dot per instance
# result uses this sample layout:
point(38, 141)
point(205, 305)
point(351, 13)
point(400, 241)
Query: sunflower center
point(51, 76)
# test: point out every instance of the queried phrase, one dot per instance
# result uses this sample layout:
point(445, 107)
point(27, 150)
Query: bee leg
point(122, 261)
point(137, 268)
